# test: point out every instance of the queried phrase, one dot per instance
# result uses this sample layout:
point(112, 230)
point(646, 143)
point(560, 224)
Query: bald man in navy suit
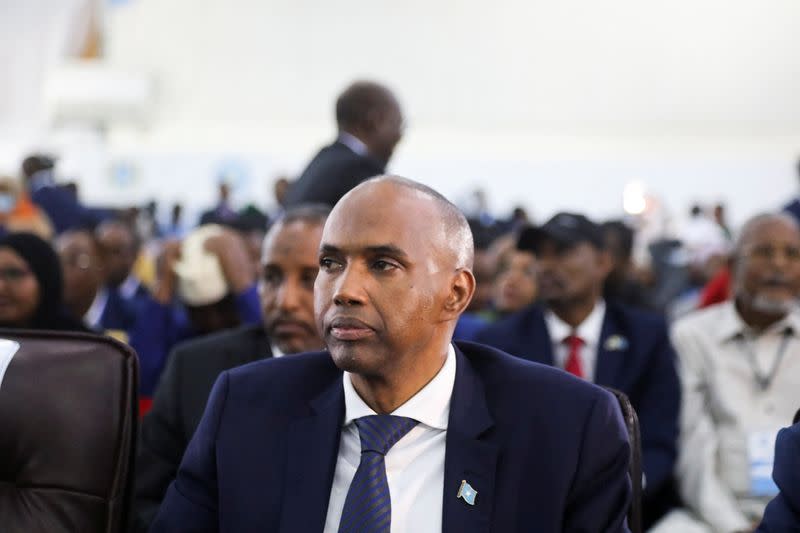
point(397, 428)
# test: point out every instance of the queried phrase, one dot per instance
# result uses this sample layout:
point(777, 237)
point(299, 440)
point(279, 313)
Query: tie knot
point(573, 341)
point(379, 433)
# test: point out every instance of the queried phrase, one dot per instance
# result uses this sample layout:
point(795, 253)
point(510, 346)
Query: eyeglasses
point(13, 274)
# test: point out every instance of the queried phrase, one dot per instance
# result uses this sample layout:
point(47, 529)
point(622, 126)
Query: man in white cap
point(205, 284)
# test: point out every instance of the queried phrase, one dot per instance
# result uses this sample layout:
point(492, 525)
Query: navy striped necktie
point(368, 507)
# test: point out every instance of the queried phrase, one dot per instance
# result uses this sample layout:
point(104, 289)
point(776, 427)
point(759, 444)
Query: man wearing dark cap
point(600, 341)
point(370, 124)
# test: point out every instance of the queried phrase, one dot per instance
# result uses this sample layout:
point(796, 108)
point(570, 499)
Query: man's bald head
point(395, 275)
point(454, 231)
point(756, 224)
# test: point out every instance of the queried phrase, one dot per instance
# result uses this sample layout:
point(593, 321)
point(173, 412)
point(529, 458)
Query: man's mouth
point(350, 329)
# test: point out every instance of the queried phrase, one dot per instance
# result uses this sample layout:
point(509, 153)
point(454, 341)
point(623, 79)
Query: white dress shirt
point(95, 313)
point(128, 288)
point(276, 352)
point(723, 404)
point(414, 466)
point(589, 331)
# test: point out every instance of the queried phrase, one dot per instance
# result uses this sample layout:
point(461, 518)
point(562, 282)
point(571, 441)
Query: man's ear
point(462, 287)
point(604, 263)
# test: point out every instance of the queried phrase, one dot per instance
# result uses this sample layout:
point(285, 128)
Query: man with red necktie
point(600, 341)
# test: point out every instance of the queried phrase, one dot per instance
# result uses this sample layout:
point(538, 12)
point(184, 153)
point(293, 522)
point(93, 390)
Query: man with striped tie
point(396, 428)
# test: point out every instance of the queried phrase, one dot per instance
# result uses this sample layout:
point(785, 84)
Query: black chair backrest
point(635, 470)
point(68, 423)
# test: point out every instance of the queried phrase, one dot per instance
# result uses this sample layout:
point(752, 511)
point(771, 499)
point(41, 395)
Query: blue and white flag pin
point(467, 493)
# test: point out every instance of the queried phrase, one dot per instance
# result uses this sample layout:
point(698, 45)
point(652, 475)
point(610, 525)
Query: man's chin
point(774, 306)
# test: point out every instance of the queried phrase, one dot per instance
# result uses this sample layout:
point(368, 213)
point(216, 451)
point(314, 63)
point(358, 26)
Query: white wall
point(550, 104)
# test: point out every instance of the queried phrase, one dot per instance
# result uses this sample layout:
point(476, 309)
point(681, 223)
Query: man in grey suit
point(289, 266)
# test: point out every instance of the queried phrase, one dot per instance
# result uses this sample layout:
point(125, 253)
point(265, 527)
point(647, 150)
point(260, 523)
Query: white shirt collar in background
point(354, 143)
point(589, 330)
point(95, 312)
point(129, 287)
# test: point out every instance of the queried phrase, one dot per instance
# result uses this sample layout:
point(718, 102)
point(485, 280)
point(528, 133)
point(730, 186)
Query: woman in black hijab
point(31, 285)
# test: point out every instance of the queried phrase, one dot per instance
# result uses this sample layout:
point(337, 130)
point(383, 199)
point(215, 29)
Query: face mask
point(7, 202)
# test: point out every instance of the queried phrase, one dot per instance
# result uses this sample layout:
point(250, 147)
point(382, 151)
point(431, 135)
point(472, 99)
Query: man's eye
point(326, 263)
point(272, 278)
point(383, 266)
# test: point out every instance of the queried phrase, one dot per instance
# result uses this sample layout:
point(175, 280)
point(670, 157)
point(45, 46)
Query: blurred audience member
point(31, 285)
point(602, 342)
point(18, 214)
point(721, 219)
point(622, 284)
point(740, 365)
point(281, 189)
point(85, 294)
point(289, 267)
point(222, 213)
point(175, 229)
point(717, 290)
point(120, 247)
point(60, 205)
point(793, 207)
point(370, 124)
point(205, 284)
point(483, 268)
point(515, 286)
point(703, 238)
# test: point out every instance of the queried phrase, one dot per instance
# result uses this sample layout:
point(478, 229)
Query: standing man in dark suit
point(289, 266)
point(599, 341)
point(396, 428)
point(370, 124)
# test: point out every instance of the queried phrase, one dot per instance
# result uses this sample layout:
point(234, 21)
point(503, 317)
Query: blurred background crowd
point(629, 173)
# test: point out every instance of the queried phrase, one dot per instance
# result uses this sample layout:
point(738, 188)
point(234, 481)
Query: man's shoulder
point(703, 321)
point(216, 344)
point(516, 323)
point(636, 320)
point(508, 377)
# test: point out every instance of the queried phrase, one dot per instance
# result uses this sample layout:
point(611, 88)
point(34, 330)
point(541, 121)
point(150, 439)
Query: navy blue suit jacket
point(64, 210)
point(545, 451)
point(643, 368)
point(783, 513)
point(118, 314)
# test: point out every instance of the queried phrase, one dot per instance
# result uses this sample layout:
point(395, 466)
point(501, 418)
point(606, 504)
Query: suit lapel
point(611, 352)
point(468, 458)
point(540, 349)
point(312, 449)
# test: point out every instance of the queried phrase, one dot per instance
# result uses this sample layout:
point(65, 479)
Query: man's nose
point(349, 288)
point(289, 295)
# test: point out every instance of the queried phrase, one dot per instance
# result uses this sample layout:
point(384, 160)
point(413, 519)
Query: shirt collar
point(589, 330)
point(730, 324)
point(354, 143)
point(276, 352)
point(95, 312)
point(129, 287)
point(430, 406)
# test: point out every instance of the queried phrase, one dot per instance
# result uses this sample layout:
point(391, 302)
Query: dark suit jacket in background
point(645, 370)
point(64, 209)
point(546, 452)
point(783, 513)
point(178, 406)
point(331, 174)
